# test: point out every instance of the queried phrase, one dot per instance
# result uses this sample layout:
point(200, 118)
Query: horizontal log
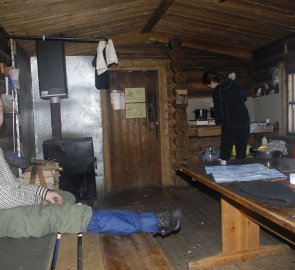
point(177, 66)
point(180, 77)
point(180, 127)
point(182, 106)
point(215, 64)
point(142, 50)
point(272, 61)
point(199, 93)
point(197, 87)
point(181, 154)
point(175, 43)
point(181, 140)
point(269, 51)
point(180, 115)
point(197, 75)
point(176, 54)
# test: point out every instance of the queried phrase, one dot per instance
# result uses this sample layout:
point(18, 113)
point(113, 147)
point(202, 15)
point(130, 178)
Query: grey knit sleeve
point(13, 193)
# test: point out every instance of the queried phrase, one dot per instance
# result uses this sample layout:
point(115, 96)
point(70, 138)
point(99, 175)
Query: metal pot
point(212, 112)
point(210, 153)
point(201, 114)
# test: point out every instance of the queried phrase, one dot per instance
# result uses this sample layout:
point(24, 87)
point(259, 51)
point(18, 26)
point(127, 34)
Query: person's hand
point(52, 197)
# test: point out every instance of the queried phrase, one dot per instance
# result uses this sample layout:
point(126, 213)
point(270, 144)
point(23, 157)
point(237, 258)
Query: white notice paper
point(133, 95)
point(135, 110)
point(117, 100)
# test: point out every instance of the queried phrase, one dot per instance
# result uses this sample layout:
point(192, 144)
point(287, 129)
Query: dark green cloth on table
point(277, 193)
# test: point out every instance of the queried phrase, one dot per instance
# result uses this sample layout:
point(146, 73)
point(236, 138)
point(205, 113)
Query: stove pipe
point(55, 118)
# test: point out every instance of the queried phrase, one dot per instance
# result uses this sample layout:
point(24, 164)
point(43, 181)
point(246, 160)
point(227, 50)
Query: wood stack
point(44, 173)
point(179, 135)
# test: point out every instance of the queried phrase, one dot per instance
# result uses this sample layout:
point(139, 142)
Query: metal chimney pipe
point(55, 118)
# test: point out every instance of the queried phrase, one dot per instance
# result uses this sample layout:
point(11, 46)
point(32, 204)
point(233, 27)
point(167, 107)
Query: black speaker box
point(51, 69)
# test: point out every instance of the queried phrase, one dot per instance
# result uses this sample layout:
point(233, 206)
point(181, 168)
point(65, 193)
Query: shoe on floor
point(169, 221)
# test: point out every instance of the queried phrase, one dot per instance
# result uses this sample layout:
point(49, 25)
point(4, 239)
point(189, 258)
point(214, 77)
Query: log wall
point(178, 126)
point(196, 62)
point(280, 55)
point(184, 70)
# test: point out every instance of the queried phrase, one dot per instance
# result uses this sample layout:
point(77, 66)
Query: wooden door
point(135, 155)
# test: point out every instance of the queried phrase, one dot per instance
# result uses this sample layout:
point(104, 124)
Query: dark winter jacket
point(229, 105)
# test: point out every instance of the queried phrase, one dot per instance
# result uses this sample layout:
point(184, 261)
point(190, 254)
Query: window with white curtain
point(291, 103)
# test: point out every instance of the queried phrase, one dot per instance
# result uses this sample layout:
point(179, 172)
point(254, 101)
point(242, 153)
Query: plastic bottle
point(264, 141)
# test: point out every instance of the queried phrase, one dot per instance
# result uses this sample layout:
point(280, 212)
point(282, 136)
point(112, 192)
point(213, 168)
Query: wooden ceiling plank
point(284, 6)
point(236, 22)
point(140, 38)
point(200, 26)
point(211, 47)
point(218, 40)
point(159, 12)
point(245, 25)
point(79, 24)
point(75, 18)
point(59, 13)
point(244, 10)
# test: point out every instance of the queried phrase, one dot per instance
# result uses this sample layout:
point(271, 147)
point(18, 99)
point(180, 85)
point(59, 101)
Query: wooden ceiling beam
point(157, 15)
point(136, 38)
point(227, 50)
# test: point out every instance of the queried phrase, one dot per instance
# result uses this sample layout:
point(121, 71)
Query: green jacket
point(36, 221)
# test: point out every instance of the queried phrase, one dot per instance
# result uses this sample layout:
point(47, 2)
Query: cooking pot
point(200, 114)
point(212, 112)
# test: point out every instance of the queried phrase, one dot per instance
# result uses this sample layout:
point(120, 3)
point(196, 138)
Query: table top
point(279, 215)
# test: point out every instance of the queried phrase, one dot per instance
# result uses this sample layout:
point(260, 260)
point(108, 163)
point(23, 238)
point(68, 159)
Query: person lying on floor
point(32, 211)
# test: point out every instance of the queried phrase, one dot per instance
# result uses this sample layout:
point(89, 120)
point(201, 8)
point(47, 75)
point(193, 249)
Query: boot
point(169, 221)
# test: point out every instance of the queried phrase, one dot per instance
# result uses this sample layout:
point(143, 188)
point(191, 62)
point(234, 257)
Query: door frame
point(135, 65)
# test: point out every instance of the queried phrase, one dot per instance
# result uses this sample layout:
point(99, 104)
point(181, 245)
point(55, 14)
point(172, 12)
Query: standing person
point(31, 210)
point(230, 112)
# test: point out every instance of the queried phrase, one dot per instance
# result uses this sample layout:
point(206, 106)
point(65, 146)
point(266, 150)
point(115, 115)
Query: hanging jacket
point(229, 105)
point(105, 57)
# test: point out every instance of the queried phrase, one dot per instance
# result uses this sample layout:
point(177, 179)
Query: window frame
point(290, 101)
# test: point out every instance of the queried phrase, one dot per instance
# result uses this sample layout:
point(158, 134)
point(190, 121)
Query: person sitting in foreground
point(32, 211)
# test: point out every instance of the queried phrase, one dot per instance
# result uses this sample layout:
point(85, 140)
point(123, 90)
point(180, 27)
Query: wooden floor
point(200, 233)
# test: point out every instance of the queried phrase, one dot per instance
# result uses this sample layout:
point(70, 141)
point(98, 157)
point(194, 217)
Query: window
point(291, 104)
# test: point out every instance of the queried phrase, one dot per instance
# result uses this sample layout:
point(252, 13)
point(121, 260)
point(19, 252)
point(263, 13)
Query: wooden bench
point(27, 253)
point(87, 251)
point(108, 252)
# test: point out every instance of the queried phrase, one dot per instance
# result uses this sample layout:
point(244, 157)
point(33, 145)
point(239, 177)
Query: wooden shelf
point(204, 131)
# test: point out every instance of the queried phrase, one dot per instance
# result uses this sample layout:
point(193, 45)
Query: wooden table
point(242, 217)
